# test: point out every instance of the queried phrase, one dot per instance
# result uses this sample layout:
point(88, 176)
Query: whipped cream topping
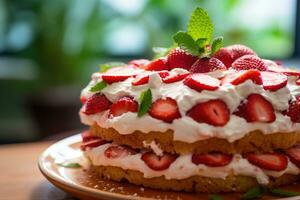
point(185, 128)
point(183, 167)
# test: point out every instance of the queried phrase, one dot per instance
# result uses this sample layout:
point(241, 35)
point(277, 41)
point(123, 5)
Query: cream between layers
point(186, 98)
point(183, 167)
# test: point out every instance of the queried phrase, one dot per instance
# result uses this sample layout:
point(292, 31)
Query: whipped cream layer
point(183, 167)
point(185, 128)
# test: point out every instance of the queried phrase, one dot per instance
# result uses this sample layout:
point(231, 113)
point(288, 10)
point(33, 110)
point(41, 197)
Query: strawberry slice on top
point(139, 62)
point(201, 82)
point(213, 112)
point(145, 78)
point(123, 105)
point(294, 155)
point(212, 159)
point(204, 65)
point(114, 152)
point(269, 161)
point(256, 109)
point(165, 109)
point(242, 76)
point(293, 110)
point(249, 62)
point(225, 56)
point(158, 163)
point(157, 65)
point(273, 81)
point(174, 78)
point(95, 104)
point(178, 58)
point(283, 70)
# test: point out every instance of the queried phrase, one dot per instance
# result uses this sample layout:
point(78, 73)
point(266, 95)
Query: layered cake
point(199, 117)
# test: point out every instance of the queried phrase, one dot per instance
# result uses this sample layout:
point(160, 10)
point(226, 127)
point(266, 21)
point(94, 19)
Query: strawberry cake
point(199, 117)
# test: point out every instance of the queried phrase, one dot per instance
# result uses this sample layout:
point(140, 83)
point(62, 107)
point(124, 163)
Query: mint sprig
point(187, 43)
point(216, 44)
point(98, 87)
point(145, 102)
point(69, 165)
point(200, 25)
point(283, 193)
point(253, 193)
point(107, 66)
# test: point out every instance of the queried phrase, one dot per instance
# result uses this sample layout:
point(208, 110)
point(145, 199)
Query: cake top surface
point(197, 88)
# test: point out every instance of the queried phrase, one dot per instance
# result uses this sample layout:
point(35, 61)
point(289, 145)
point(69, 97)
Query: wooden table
point(20, 177)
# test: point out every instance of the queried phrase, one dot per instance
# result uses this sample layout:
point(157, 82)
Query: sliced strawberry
point(139, 62)
point(158, 163)
point(242, 76)
point(249, 62)
point(213, 112)
point(294, 110)
point(179, 58)
point(283, 70)
point(256, 109)
point(294, 155)
point(123, 105)
point(165, 109)
point(87, 136)
point(225, 56)
point(175, 78)
point(269, 161)
point(157, 65)
point(239, 50)
point(273, 81)
point(95, 104)
point(212, 159)
point(114, 152)
point(92, 144)
point(204, 65)
point(83, 99)
point(201, 82)
point(145, 79)
point(298, 82)
point(110, 78)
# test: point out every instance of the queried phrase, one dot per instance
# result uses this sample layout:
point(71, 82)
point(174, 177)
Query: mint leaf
point(107, 66)
point(200, 25)
point(69, 165)
point(186, 42)
point(201, 42)
point(145, 102)
point(283, 193)
point(215, 197)
point(98, 87)
point(217, 43)
point(253, 193)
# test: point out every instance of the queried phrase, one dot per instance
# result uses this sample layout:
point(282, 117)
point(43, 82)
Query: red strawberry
point(213, 112)
point(201, 82)
point(269, 161)
point(212, 159)
point(204, 65)
point(158, 163)
point(225, 56)
point(118, 152)
point(283, 70)
point(110, 78)
point(242, 76)
point(273, 81)
point(165, 109)
point(179, 58)
point(139, 62)
point(249, 62)
point(157, 65)
point(294, 110)
point(298, 82)
point(87, 136)
point(95, 104)
point(256, 109)
point(239, 50)
point(123, 105)
point(175, 78)
point(92, 144)
point(83, 99)
point(145, 79)
point(294, 155)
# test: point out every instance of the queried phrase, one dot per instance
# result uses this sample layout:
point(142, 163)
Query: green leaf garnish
point(98, 87)
point(215, 197)
point(201, 42)
point(283, 193)
point(107, 66)
point(145, 102)
point(216, 45)
point(253, 193)
point(187, 43)
point(69, 165)
point(200, 25)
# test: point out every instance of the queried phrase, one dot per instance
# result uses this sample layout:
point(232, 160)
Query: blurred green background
point(49, 48)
